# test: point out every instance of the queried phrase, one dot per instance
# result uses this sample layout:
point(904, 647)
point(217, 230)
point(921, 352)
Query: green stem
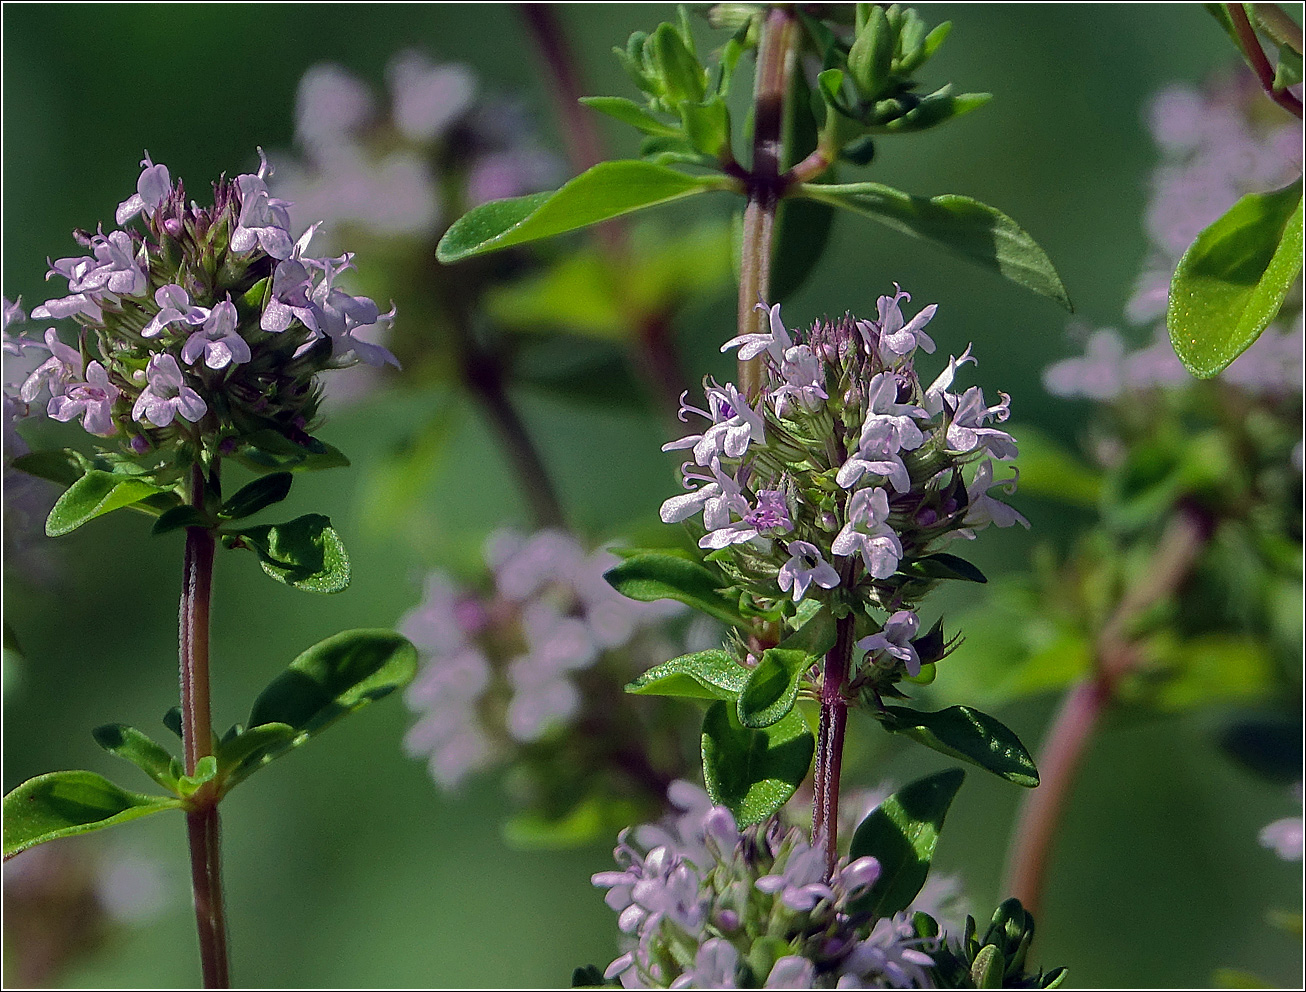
point(775, 58)
point(1251, 48)
point(202, 823)
point(1086, 704)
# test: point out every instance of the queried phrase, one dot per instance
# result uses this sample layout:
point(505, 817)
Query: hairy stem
point(1251, 47)
point(1085, 704)
point(202, 825)
point(829, 744)
point(775, 58)
point(658, 360)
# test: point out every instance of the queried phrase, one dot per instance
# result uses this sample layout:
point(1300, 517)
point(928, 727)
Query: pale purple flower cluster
point(1216, 146)
point(165, 340)
point(499, 671)
point(694, 894)
point(845, 466)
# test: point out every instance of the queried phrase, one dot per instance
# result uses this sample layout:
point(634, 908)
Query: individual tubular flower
point(508, 673)
point(843, 476)
point(179, 356)
point(695, 896)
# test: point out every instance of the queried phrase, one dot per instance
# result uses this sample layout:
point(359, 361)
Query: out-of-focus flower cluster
point(1216, 145)
point(1284, 837)
point(844, 475)
point(703, 904)
point(529, 674)
point(200, 329)
point(406, 165)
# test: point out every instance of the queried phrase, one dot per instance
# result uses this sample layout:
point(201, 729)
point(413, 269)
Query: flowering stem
point(1085, 705)
point(775, 57)
point(829, 744)
point(1251, 48)
point(584, 146)
point(202, 824)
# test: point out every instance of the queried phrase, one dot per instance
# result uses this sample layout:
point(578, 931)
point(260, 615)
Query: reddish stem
point(829, 744)
point(1251, 47)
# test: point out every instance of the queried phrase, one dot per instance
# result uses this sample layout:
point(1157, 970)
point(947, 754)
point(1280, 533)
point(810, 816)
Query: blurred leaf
point(803, 229)
point(754, 772)
point(1268, 745)
point(965, 227)
point(901, 834)
point(1050, 471)
point(1237, 978)
point(594, 818)
point(305, 553)
point(1201, 671)
point(143, 752)
point(630, 112)
point(704, 675)
point(179, 517)
point(257, 495)
point(655, 575)
point(608, 190)
point(772, 687)
point(966, 733)
point(95, 494)
point(334, 678)
point(64, 804)
point(1233, 278)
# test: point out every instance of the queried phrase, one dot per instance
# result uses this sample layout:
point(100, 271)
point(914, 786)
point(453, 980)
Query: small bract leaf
point(250, 750)
point(973, 230)
point(754, 772)
point(772, 687)
point(64, 804)
point(901, 833)
point(1233, 278)
point(657, 575)
point(177, 518)
point(334, 678)
point(95, 494)
point(608, 190)
point(703, 675)
point(305, 553)
point(966, 733)
point(630, 112)
point(946, 566)
point(143, 752)
point(257, 495)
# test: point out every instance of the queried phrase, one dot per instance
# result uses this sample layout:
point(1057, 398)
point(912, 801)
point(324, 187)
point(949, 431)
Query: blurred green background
point(345, 866)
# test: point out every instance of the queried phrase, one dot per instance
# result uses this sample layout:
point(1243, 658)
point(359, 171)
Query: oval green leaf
point(704, 675)
point(656, 575)
point(141, 750)
point(305, 553)
point(966, 733)
point(754, 772)
point(257, 495)
point(901, 833)
point(973, 230)
point(64, 804)
point(251, 749)
point(93, 495)
point(179, 517)
point(772, 687)
point(1233, 278)
point(608, 190)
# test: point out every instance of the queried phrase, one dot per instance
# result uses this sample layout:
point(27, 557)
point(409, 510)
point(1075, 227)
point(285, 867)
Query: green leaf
point(1233, 278)
point(901, 833)
point(251, 749)
point(608, 190)
point(966, 733)
point(681, 74)
point(179, 517)
point(870, 60)
point(334, 678)
point(944, 566)
point(965, 227)
point(64, 804)
point(142, 751)
point(1049, 470)
point(704, 675)
point(95, 494)
point(257, 495)
point(934, 109)
point(593, 818)
point(707, 126)
point(803, 229)
point(816, 634)
point(754, 772)
point(630, 112)
point(772, 687)
point(656, 575)
point(305, 553)
point(270, 450)
point(65, 466)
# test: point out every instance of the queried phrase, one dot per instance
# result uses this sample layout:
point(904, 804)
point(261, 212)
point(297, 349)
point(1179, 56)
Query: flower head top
point(199, 327)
